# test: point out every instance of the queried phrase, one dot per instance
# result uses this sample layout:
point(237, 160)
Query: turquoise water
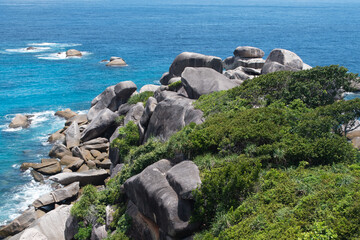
point(148, 35)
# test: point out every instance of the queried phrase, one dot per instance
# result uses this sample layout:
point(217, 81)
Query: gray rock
point(249, 52)
point(184, 178)
point(59, 151)
point(157, 200)
point(58, 136)
point(33, 234)
point(114, 156)
point(134, 113)
point(73, 53)
point(282, 60)
point(67, 114)
point(200, 81)
point(115, 134)
point(37, 176)
point(68, 160)
point(99, 125)
point(162, 95)
point(49, 168)
point(19, 121)
point(83, 168)
point(72, 135)
point(170, 116)
point(141, 226)
point(189, 59)
point(58, 195)
point(80, 119)
point(149, 88)
point(124, 108)
point(114, 171)
point(77, 152)
point(96, 141)
point(51, 225)
point(95, 153)
point(105, 164)
point(231, 63)
point(94, 177)
point(18, 224)
point(98, 232)
point(74, 166)
point(100, 147)
point(174, 79)
point(237, 73)
point(106, 99)
point(124, 90)
point(71, 227)
point(149, 109)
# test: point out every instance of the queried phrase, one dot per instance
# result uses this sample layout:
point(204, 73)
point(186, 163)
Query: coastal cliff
point(208, 154)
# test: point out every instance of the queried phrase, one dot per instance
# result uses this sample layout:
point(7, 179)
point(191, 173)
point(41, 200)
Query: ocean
point(148, 35)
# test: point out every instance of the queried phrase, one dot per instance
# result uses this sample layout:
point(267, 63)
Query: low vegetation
point(274, 159)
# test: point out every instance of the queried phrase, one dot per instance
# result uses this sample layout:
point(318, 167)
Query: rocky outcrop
point(158, 201)
point(171, 115)
point(57, 196)
point(99, 125)
point(98, 232)
point(282, 60)
point(235, 62)
point(20, 121)
point(67, 114)
point(111, 98)
point(94, 177)
point(189, 59)
point(58, 136)
point(73, 53)
point(200, 81)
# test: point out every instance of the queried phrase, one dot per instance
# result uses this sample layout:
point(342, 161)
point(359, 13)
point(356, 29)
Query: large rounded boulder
point(282, 60)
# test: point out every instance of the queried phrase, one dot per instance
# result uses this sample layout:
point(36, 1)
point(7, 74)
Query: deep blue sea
point(148, 35)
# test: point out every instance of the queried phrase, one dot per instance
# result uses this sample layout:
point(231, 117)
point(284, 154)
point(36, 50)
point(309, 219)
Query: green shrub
point(84, 232)
point(175, 86)
point(141, 97)
point(128, 137)
point(224, 187)
point(81, 208)
point(119, 120)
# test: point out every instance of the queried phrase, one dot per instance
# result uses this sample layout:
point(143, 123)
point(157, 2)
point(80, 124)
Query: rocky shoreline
point(160, 200)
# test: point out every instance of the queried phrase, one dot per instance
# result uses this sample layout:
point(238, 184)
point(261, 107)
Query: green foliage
point(141, 97)
point(296, 203)
point(318, 86)
point(119, 120)
point(224, 187)
point(175, 86)
point(118, 235)
point(128, 137)
point(81, 208)
point(84, 232)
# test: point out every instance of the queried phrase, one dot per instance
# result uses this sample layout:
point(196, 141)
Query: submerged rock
point(73, 53)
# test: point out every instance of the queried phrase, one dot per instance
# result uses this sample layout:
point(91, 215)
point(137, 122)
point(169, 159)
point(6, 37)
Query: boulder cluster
point(160, 199)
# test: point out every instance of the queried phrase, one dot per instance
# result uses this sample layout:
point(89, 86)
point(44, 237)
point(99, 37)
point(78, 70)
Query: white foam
point(82, 112)
point(26, 50)
point(16, 166)
point(8, 129)
point(61, 56)
point(59, 45)
point(22, 196)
